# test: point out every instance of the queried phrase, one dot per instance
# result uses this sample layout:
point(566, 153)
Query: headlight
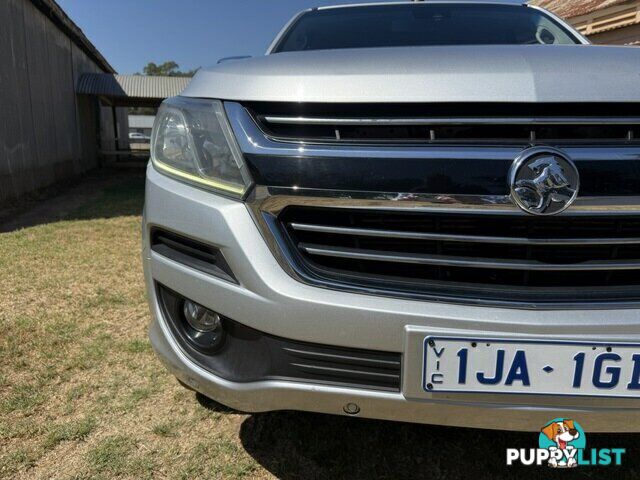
point(192, 141)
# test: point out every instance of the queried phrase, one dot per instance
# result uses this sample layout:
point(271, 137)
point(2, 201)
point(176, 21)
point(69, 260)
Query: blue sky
point(194, 33)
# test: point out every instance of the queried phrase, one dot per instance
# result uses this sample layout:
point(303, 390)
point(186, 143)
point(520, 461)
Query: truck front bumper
point(269, 300)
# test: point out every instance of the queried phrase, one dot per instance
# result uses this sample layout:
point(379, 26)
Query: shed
point(50, 133)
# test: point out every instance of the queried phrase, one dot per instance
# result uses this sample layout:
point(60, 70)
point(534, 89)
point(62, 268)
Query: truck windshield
point(422, 24)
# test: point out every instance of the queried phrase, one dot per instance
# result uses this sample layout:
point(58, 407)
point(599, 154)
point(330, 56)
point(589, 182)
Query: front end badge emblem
point(543, 181)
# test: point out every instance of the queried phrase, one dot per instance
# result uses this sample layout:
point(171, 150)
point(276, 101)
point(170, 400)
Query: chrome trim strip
point(366, 232)
point(454, 121)
point(275, 199)
point(443, 260)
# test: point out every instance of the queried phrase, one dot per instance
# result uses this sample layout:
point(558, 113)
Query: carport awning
point(130, 90)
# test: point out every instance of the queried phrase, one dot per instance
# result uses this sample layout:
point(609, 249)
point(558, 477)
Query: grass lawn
point(82, 395)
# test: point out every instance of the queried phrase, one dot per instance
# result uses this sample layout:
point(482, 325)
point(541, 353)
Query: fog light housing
point(200, 318)
point(204, 327)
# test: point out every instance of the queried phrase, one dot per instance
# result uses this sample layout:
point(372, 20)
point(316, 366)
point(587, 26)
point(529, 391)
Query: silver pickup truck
point(425, 212)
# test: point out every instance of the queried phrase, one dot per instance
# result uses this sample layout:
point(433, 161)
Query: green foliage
point(167, 69)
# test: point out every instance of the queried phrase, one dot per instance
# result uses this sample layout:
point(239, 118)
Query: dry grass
point(82, 395)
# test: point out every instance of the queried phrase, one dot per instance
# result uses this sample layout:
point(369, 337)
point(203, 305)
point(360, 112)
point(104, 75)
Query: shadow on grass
point(122, 195)
point(101, 194)
point(210, 404)
point(293, 445)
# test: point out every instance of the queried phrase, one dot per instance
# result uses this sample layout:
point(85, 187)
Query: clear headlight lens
point(192, 141)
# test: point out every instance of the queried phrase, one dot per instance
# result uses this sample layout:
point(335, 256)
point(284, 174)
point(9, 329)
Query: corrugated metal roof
point(131, 86)
point(575, 8)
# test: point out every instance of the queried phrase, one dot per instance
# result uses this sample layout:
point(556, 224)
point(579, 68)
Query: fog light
point(203, 328)
point(200, 318)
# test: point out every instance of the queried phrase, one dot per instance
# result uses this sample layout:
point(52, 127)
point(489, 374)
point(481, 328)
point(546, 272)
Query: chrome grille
point(493, 258)
point(427, 124)
point(437, 222)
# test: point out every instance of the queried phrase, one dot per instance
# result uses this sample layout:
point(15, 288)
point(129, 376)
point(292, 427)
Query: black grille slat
point(498, 258)
point(453, 223)
point(503, 134)
point(335, 364)
point(410, 235)
point(449, 123)
point(343, 358)
point(466, 261)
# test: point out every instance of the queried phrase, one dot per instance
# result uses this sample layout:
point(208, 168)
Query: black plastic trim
point(471, 176)
point(248, 355)
point(197, 255)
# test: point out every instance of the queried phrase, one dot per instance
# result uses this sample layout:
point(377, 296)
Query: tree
point(167, 69)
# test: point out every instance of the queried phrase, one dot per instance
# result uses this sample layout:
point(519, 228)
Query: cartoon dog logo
point(562, 433)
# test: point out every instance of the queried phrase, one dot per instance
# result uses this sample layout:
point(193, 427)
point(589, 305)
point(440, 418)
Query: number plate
point(531, 367)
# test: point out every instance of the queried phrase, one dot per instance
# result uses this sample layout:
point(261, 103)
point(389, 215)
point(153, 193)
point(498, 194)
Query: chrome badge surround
point(543, 181)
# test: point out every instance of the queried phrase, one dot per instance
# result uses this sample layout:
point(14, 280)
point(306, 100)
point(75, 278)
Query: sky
point(193, 33)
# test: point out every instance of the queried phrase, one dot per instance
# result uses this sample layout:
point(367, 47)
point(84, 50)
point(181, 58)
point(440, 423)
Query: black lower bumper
point(248, 355)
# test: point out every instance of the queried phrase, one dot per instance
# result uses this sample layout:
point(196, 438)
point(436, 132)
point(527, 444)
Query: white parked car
point(138, 137)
